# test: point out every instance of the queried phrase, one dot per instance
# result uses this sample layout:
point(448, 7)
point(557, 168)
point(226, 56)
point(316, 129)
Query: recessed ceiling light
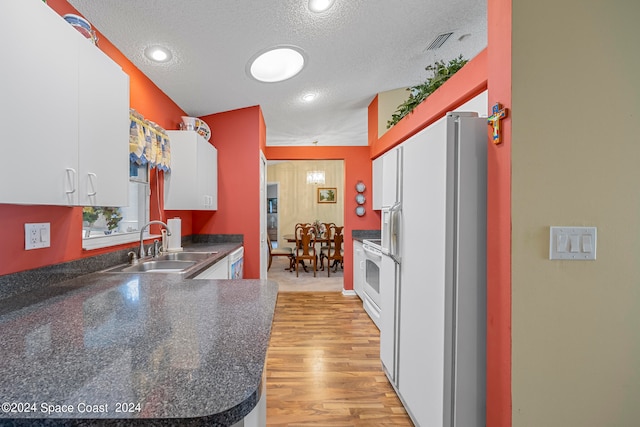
point(309, 97)
point(158, 53)
point(320, 5)
point(277, 64)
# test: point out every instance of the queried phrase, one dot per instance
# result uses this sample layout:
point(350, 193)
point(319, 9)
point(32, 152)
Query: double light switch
point(572, 243)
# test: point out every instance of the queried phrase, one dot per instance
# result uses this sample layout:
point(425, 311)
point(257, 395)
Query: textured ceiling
point(355, 50)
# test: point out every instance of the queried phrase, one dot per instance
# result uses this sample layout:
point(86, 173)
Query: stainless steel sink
point(174, 262)
point(186, 256)
point(154, 266)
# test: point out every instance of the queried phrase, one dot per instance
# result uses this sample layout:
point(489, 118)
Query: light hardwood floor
point(323, 365)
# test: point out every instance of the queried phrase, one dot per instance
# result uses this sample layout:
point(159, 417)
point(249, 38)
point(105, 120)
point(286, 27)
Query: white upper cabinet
point(384, 180)
point(63, 112)
point(103, 174)
point(192, 183)
point(376, 181)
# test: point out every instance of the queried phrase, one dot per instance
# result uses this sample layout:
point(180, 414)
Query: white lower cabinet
point(219, 270)
point(192, 183)
point(65, 117)
point(258, 415)
point(358, 268)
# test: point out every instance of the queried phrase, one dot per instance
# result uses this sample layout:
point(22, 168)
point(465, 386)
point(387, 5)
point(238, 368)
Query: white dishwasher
point(236, 264)
point(219, 270)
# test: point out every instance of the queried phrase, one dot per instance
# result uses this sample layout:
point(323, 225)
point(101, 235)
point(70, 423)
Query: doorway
point(299, 200)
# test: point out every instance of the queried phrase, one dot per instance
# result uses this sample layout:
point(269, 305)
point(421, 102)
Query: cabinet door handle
point(92, 184)
point(71, 175)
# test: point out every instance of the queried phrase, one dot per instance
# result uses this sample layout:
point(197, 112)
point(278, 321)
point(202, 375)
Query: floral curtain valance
point(148, 143)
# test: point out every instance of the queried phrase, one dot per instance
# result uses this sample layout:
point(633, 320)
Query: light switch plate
point(37, 235)
point(572, 243)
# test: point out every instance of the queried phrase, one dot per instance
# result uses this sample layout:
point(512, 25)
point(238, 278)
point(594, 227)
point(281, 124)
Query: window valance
point(148, 143)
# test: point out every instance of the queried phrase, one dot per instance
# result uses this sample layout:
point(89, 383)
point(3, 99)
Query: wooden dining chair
point(306, 247)
point(288, 252)
point(300, 225)
point(327, 240)
point(335, 252)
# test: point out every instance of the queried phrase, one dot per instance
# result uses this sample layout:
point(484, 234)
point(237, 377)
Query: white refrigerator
point(433, 279)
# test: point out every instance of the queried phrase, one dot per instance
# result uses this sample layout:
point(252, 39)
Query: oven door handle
point(372, 253)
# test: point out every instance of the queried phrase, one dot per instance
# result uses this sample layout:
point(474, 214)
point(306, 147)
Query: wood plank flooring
point(323, 365)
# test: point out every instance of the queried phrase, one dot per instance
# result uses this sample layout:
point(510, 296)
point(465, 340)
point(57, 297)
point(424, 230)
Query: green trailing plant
point(441, 73)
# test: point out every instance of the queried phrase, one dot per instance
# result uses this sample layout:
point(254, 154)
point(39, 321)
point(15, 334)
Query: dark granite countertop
point(160, 348)
point(360, 235)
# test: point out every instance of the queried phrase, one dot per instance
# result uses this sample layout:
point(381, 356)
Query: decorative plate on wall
point(360, 199)
point(360, 187)
point(360, 210)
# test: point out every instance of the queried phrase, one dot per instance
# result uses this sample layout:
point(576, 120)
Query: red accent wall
point(357, 167)
point(499, 403)
point(238, 136)
point(66, 222)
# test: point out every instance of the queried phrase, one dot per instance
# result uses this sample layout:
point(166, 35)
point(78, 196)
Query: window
point(110, 226)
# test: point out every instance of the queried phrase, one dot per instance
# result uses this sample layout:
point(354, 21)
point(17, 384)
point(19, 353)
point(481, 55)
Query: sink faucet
point(141, 252)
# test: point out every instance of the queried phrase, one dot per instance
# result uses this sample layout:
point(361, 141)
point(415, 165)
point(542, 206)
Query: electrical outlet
point(37, 235)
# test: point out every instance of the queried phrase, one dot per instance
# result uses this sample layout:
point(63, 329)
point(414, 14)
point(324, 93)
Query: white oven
point(371, 286)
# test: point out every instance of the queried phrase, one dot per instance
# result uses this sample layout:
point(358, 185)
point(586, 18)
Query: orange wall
point(357, 167)
point(238, 136)
point(66, 222)
point(499, 223)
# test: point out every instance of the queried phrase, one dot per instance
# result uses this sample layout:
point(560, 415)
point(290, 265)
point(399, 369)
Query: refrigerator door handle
point(394, 243)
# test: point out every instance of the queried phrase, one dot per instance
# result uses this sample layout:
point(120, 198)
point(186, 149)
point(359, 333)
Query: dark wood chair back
point(306, 246)
point(335, 252)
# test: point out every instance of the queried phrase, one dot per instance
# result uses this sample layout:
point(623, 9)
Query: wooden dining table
point(291, 238)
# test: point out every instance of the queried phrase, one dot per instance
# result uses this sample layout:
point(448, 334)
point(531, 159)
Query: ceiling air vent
point(439, 41)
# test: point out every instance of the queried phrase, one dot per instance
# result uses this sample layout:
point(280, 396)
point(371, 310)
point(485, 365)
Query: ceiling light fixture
point(318, 6)
point(309, 97)
point(158, 53)
point(277, 64)
point(315, 177)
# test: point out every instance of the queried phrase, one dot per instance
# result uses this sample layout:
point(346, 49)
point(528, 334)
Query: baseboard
point(349, 292)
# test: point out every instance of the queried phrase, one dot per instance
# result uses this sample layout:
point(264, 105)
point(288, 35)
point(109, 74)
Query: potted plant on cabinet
point(441, 73)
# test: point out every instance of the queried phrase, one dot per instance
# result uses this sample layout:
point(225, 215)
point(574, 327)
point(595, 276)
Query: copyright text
point(80, 408)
